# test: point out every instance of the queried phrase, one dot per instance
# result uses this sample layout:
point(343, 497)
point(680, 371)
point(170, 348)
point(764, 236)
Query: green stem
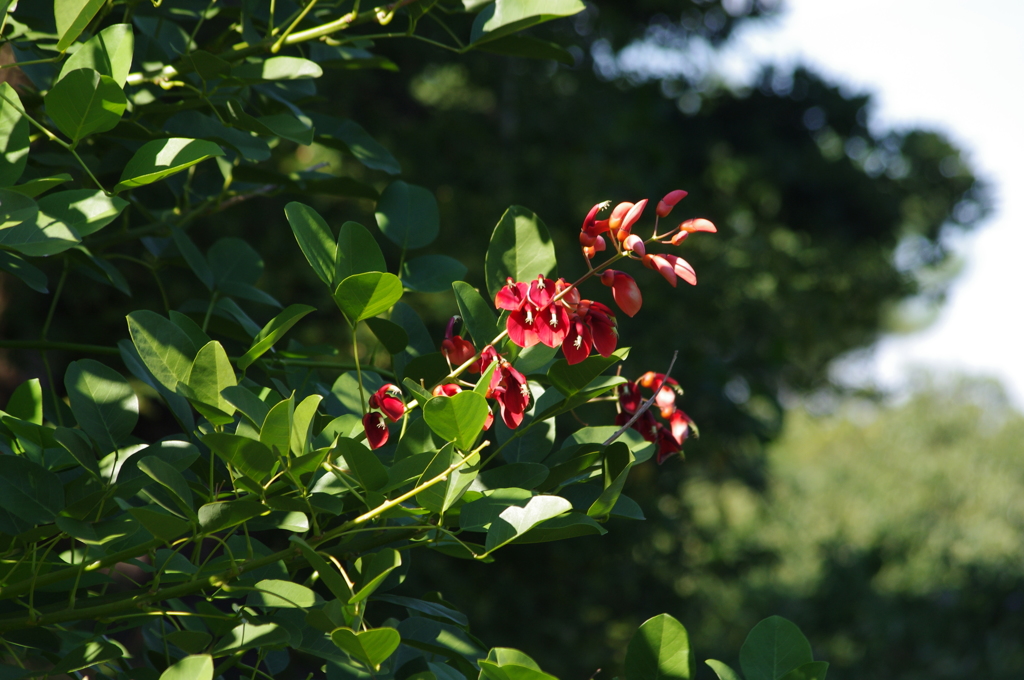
point(87, 170)
point(209, 310)
point(291, 27)
point(359, 371)
point(42, 338)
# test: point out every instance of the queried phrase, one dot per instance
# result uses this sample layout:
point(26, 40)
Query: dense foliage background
point(828, 231)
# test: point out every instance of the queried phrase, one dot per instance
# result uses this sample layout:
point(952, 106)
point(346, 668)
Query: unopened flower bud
point(666, 204)
point(636, 244)
point(615, 219)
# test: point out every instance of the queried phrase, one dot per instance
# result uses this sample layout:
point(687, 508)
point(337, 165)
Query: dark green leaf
point(276, 430)
point(233, 259)
point(272, 332)
point(328, 574)
point(72, 17)
point(200, 267)
point(569, 525)
point(195, 124)
point(315, 240)
point(29, 491)
point(520, 249)
point(572, 378)
point(773, 648)
point(361, 296)
point(528, 46)
point(249, 636)
point(458, 419)
point(30, 275)
point(814, 670)
point(432, 273)
point(208, 66)
point(164, 157)
point(429, 608)
point(160, 523)
point(288, 127)
point(214, 517)
point(441, 496)
point(110, 52)
point(407, 214)
point(83, 102)
point(169, 478)
point(519, 475)
point(363, 464)
point(26, 403)
point(90, 654)
point(618, 460)
point(13, 136)
point(660, 650)
point(357, 252)
point(357, 141)
point(391, 335)
point(103, 402)
point(373, 569)
point(37, 187)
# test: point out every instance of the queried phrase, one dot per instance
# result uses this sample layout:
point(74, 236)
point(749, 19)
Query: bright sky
point(952, 65)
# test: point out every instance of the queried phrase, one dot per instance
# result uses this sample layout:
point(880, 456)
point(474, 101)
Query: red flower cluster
point(668, 438)
point(387, 401)
point(508, 387)
point(536, 316)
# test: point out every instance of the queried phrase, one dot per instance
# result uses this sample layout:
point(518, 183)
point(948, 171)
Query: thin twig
point(646, 405)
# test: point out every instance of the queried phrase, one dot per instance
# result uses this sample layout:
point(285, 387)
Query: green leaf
point(211, 372)
point(91, 653)
point(220, 515)
point(72, 17)
point(250, 457)
point(159, 522)
point(618, 460)
point(432, 273)
point(569, 525)
point(773, 648)
point(503, 663)
point(302, 424)
point(660, 650)
point(29, 491)
point(164, 474)
point(277, 593)
point(103, 402)
point(190, 641)
point(315, 240)
point(477, 313)
point(407, 214)
point(505, 17)
point(272, 332)
point(26, 403)
point(458, 419)
point(441, 496)
point(514, 521)
point(195, 124)
point(249, 636)
point(357, 253)
point(164, 348)
point(372, 647)
point(328, 574)
point(233, 259)
point(814, 670)
point(14, 134)
point(288, 127)
point(572, 378)
point(391, 335)
point(25, 229)
point(196, 262)
point(161, 158)
point(84, 210)
point(277, 68)
point(254, 408)
point(31, 276)
point(529, 47)
point(373, 569)
point(276, 430)
point(357, 141)
point(197, 667)
point(519, 475)
point(363, 464)
point(208, 66)
point(361, 296)
point(722, 670)
point(110, 52)
point(83, 102)
point(41, 185)
point(520, 248)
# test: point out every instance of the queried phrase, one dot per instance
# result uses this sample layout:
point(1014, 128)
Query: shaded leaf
point(110, 52)
point(103, 402)
point(314, 237)
point(774, 647)
point(432, 273)
point(83, 102)
point(272, 332)
point(660, 649)
point(407, 214)
point(357, 253)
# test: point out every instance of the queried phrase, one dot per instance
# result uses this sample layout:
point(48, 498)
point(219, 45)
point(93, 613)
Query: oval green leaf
point(660, 650)
point(361, 296)
point(83, 102)
point(372, 647)
point(407, 214)
point(458, 419)
point(520, 248)
point(773, 648)
point(164, 157)
point(103, 402)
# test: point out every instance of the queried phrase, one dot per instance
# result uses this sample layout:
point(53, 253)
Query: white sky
point(956, 66)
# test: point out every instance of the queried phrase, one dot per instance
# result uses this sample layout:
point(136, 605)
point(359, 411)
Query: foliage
point(262, 535)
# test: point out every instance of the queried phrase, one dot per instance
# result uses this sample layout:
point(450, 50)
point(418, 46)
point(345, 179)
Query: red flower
point(376, 429)
point(591, 326)
point(593, 226)
point(624, 290)
point(388, 399)
point(533, 317)
point(512, 394)
point(456, 349)
point(447, 390)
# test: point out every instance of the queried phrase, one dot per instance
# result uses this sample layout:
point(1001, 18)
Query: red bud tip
point(698, 224)
point(633, 215)
point(679, 237)
point(666, 204)
point(636, 244)
point(608, 277)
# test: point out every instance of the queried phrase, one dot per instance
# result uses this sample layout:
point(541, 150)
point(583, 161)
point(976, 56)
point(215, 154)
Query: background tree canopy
point(826, 228)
